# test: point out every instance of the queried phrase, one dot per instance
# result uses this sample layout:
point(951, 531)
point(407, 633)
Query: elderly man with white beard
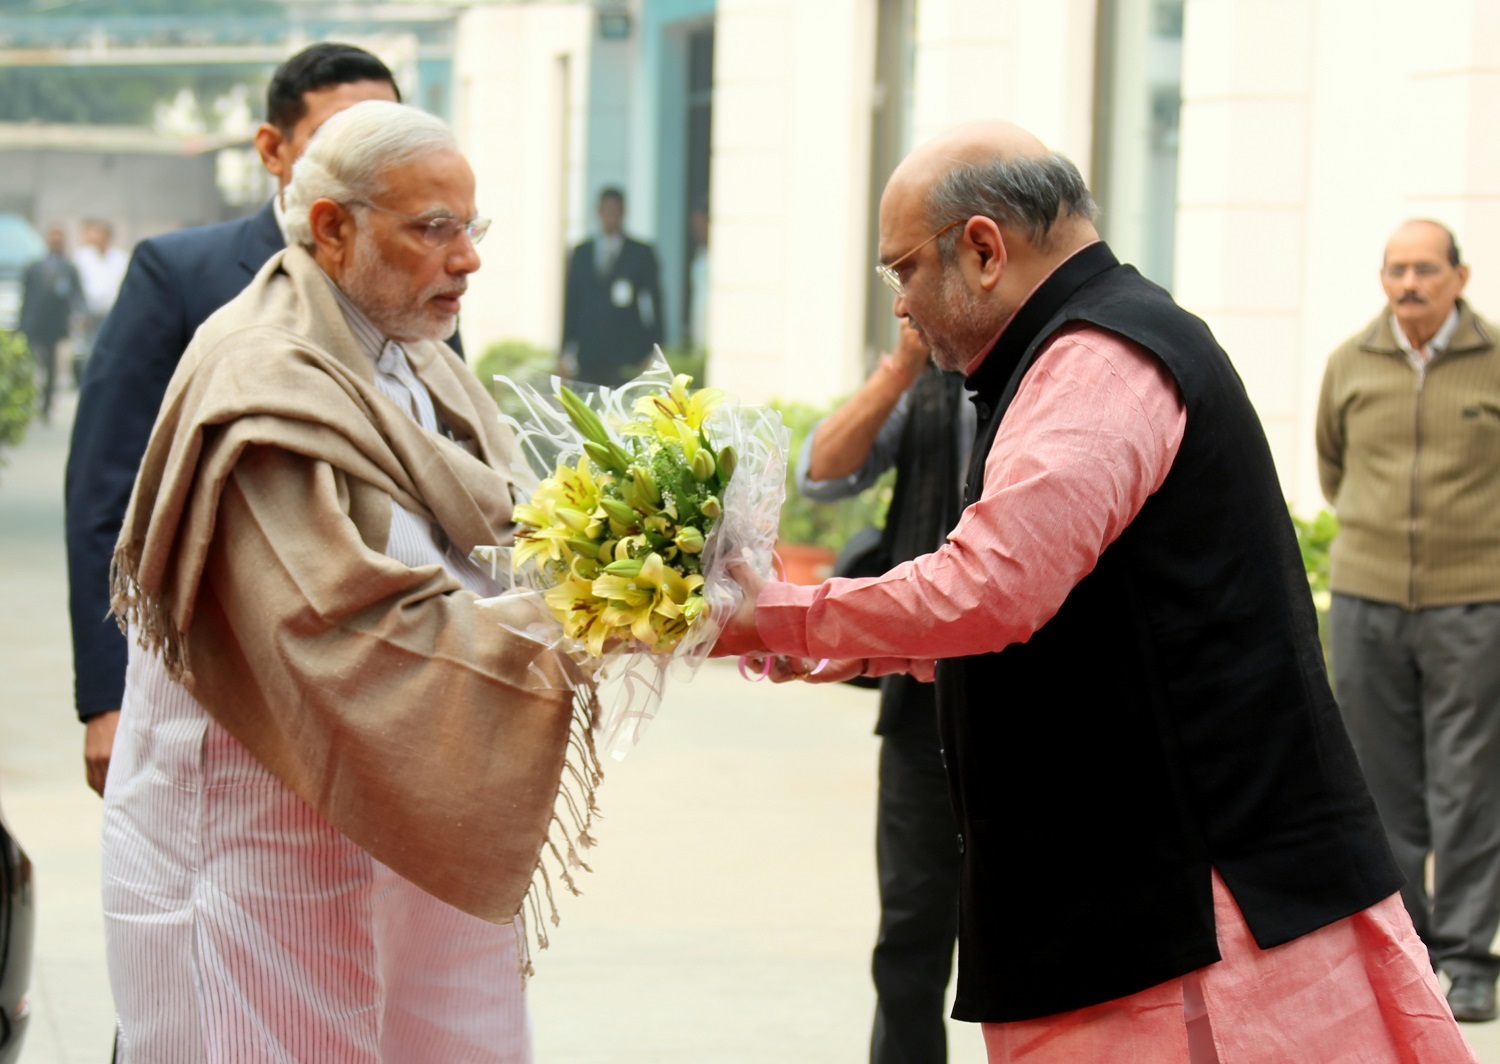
point(336, 768)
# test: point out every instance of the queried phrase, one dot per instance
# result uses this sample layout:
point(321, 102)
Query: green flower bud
point(703, 465)
point(619, 511)
point(585, 419)
point(646, 485)
point(727, 461)
point(711, 507)
point(689, 540)
point(621, 456)
point(605, 455)
point(585, 548)
point(625, 567)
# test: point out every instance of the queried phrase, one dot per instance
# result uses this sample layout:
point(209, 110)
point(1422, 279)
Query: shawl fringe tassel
point(572, 819)
point(147, 615)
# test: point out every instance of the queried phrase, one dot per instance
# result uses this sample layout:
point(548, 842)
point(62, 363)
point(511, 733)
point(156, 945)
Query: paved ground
point(729, 917)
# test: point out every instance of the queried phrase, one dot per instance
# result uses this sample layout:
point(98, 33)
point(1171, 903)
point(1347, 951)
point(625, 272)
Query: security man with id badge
point(612, 309)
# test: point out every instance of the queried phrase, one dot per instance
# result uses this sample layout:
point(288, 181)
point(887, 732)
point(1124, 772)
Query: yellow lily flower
point(653, 604)
point(549, 544)
point(558, 511)
point(573, 603)
point(662, 415)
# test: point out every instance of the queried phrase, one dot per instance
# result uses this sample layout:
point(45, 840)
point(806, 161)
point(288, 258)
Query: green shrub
point(1314, 539)
point(824, 524)
point(17, 389)
point(522, 362)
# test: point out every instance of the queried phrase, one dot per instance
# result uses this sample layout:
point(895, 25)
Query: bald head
point(966, 145)
point(1427, 232)
point(1001, 212)
point(1000, 171)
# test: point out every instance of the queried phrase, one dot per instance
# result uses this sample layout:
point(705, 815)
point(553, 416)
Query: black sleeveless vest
point(1172, 717)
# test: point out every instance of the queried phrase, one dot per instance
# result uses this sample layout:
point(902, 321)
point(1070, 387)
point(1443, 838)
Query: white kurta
point(242, 927)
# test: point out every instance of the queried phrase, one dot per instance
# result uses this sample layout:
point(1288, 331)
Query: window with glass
point(1137, 104)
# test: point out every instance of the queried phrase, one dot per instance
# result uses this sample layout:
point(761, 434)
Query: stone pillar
point(792, 85)
point(981, 60)
point(520, 98)
point(1242, 233)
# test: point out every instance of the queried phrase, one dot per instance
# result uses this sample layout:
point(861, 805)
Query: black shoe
point(1472, 998)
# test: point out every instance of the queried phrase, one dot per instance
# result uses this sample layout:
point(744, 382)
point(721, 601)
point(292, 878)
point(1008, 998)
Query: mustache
point(1411, 297)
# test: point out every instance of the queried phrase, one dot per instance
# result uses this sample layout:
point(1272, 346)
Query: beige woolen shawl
point(409, 715)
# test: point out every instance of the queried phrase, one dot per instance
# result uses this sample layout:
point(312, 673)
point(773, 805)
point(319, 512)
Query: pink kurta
point(1091, 434)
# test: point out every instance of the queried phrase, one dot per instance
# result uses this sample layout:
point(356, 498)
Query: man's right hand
point(842, 441)
point(98, 743)
point(911, 354)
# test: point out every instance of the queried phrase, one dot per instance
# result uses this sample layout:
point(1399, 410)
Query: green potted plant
point(1315, 537)
point(812, 532)
point(17, 389)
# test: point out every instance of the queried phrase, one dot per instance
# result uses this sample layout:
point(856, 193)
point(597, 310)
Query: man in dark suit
point(612, 310)
point(174, 282)
point(50, 295)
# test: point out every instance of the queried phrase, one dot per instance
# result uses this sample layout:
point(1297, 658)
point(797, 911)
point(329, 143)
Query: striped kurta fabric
point(242, 927)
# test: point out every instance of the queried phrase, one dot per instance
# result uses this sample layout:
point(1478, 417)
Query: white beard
point(378, 290)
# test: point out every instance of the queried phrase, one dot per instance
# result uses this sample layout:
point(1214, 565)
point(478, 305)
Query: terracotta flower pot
point(804, 564)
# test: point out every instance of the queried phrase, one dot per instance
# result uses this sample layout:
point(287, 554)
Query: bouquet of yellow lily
point(618, 535)
point(645, 492)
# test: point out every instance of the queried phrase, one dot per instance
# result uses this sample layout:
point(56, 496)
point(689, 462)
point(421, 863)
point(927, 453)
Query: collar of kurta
point(999, 364)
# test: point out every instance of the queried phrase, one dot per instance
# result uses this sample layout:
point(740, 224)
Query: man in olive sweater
point(1408, 438)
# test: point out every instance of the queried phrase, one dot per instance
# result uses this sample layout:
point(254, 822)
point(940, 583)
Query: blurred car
point(20, 245)
point(17, 930)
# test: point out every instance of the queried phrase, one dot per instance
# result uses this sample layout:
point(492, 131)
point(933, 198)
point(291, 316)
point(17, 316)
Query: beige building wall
point(1029, 63)
point(1309, 131)
point(521, 77)
point(792, 100)
point(791, 133)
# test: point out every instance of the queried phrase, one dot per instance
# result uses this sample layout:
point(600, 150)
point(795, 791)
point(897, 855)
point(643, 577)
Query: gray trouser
point(1420, 695)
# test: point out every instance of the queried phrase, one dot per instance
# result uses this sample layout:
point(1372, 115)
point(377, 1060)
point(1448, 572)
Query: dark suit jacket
point(607, 334)
point(50, 293)
point(175, 281)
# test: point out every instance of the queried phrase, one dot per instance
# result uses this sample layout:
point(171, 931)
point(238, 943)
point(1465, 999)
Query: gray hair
point(1029, 194)
point(348, 155)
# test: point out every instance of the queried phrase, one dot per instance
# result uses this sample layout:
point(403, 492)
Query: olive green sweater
point(1410, 461)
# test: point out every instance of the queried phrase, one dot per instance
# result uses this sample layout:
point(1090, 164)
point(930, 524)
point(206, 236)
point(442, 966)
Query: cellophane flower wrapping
point(629, 523)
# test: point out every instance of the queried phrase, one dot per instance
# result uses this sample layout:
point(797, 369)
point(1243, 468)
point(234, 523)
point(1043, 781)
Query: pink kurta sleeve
point(1091, 434)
